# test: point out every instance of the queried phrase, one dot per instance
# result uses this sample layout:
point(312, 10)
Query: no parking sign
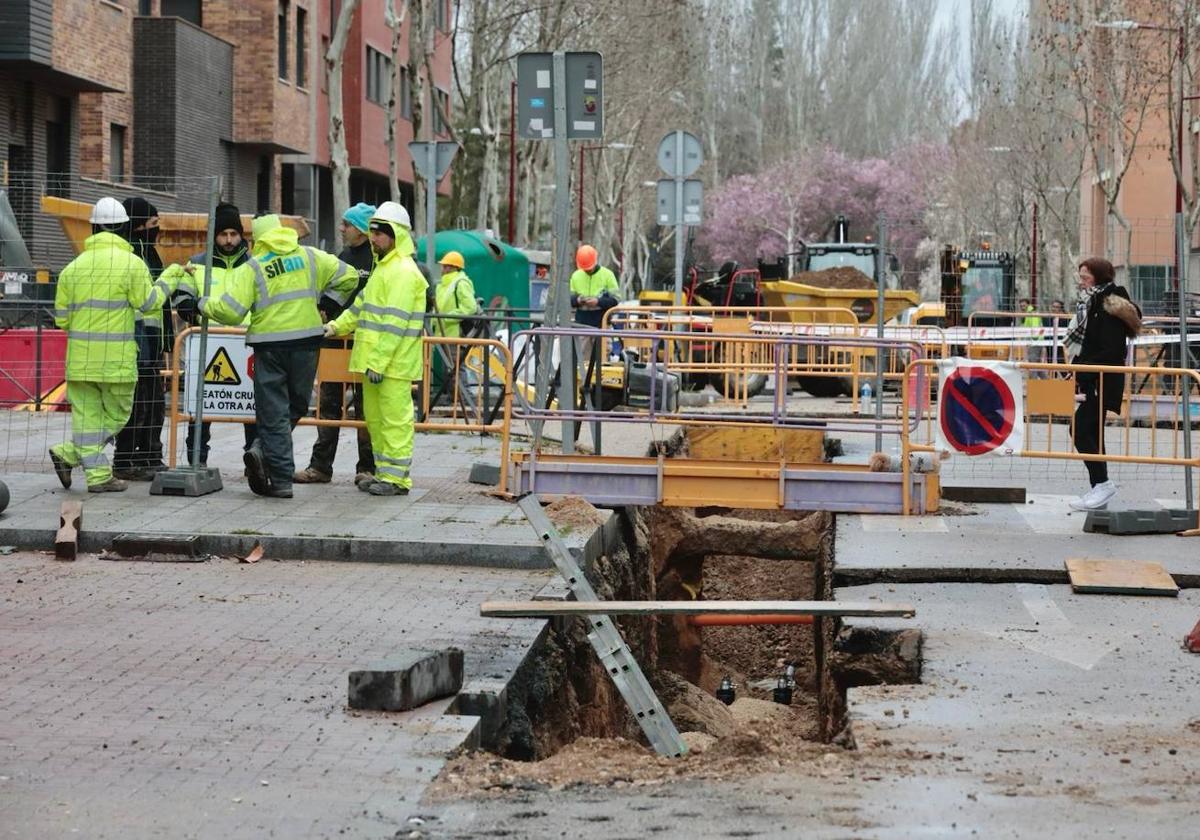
point(981, 407)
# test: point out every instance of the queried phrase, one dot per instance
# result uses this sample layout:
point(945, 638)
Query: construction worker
point(280, 287)
point(594, 289)
point(455, 296)
point(386, 320)
point(332, 399)
point(98, 295)
point(1029, 320)
point(138, 450)
point(229, 250)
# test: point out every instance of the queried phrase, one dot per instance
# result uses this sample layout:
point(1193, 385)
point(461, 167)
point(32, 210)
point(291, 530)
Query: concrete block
point(408, 680)
point(484, 474)
point(486, 699)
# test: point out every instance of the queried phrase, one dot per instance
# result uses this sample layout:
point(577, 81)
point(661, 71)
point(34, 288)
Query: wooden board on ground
point(1120, 577)
point(70, 523)
point(549, 609)
point(793, 446)
point(984, 495)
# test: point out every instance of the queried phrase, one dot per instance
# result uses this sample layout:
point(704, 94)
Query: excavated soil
point(566, 723)
point(842, 277)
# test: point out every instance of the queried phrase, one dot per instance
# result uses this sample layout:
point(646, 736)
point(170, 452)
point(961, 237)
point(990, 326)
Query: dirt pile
point(841, 277)
point(574, 513)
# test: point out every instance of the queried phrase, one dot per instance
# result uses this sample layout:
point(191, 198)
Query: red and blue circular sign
point(978, 410)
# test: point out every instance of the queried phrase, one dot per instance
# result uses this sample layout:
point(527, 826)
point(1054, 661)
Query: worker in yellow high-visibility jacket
point(455, 295)
point(386, 319)
point(280, 287)
point(96, 301)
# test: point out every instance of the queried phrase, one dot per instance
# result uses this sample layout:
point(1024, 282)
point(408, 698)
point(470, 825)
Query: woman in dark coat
point(1105, 319)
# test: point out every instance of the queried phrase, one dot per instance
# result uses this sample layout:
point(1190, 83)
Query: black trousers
point(139, 444)
point(283, 384)
point(1089, 436)
point(332, 399)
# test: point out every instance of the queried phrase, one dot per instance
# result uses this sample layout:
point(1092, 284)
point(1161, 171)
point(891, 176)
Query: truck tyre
point(3, 496)
point(727, 386)
point(825, 386)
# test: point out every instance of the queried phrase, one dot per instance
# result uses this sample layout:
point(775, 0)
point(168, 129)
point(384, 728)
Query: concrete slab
point(1041, 713)
point(1005, 542)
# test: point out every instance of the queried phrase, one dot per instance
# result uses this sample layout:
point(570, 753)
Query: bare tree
point(339, 161)
point(395, 22)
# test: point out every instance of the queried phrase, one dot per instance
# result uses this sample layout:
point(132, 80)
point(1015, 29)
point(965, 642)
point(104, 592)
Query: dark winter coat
point(1113, 319)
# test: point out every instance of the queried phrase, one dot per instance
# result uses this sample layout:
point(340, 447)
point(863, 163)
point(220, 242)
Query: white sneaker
point(1096, 498)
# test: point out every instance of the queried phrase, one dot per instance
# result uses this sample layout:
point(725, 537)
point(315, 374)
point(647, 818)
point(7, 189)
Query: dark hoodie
point(359, 257)
point(140, 210)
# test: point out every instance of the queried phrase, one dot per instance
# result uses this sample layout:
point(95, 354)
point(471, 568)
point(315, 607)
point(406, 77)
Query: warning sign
point(980, 407)
point(220, 370)
point(228, 376)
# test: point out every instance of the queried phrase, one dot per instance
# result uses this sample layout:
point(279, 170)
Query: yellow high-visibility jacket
point(96, 299)
point(387, 317)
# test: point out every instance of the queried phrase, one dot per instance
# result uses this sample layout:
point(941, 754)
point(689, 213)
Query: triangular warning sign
point(220, 370)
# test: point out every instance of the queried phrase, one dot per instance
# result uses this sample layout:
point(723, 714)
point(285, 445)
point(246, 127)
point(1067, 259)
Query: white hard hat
point(391, 211)
point(109, 211)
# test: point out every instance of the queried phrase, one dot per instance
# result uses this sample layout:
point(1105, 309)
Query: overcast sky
point(950, 11)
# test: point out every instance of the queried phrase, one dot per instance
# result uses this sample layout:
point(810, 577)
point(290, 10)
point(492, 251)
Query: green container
point(499, 271)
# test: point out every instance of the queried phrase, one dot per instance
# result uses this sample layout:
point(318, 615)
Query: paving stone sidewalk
point(208, 700)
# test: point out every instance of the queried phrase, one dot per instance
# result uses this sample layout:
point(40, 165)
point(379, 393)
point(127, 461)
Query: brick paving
point(208, 699)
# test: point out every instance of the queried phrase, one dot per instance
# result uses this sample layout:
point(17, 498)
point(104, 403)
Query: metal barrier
point(1020, 340)
point(1155, 403)
point(333, 368)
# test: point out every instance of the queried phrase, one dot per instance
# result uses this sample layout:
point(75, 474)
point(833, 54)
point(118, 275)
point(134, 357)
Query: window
point(58, 148)
point(301, 47)
point(441, 101)
point(116, 153)
point(405, 93)
point(144, 8)
point(283, 39)
point(1150, 285)
point(379, 76)
point(441, 15)
point(188, 10)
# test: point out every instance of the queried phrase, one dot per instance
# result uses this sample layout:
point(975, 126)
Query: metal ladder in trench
point(606, 640)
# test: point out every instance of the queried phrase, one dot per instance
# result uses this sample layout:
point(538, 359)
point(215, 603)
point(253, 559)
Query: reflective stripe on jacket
point(386, 318)
point(279, 288)
point(96, 299)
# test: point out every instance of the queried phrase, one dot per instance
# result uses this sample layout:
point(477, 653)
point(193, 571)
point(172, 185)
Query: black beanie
point(227, 218)
point(139, 210)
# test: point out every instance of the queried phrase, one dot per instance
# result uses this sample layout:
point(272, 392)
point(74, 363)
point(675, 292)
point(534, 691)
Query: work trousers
point(139, 443)
point(1089, 436)
point(98, 411)
point(249, 429)
point(283, 385)
point(332, 399)
point(389, 412)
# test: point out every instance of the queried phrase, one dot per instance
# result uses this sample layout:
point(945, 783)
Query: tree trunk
point(395, 22)
point(416, 75)
point(339, 160)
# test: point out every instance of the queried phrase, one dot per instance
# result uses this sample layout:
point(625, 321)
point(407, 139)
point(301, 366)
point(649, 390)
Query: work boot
point(363, 481)
point(256, 471)
point(113, 485)
point(386, 488)
point(61, 469)
point(309, 475)
point(134, 474)
point(279, 493)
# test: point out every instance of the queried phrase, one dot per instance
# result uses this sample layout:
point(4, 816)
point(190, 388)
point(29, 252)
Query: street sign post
point(560, 97)
point(432, 162)
point(680, 155)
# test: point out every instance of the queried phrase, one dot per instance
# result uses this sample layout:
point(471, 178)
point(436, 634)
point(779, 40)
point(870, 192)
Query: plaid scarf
point(1077, 327)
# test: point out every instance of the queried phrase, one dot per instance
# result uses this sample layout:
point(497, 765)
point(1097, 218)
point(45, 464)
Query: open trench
point(563, 711)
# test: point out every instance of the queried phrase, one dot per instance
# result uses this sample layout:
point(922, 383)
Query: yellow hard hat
point(453, 258)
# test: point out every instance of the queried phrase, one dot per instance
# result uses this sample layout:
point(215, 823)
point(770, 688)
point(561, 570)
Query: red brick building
point(153, 96)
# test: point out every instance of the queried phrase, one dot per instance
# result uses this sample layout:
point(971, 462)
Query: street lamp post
point(512, 163)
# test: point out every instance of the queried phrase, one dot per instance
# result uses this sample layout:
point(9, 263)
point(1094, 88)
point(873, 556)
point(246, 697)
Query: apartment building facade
point(154, 97)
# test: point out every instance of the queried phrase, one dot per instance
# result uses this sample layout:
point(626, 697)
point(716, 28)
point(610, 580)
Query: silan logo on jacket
point(282, 265)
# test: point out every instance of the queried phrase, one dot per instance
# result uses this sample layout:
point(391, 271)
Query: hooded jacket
point(279, 288)
point(143, 243)
point(96, 300)
point(1112, 320)
point(387, 317)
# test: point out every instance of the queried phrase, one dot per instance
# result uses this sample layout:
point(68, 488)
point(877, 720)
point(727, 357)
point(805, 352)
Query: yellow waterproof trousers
point(388, 407)
point(98, 411)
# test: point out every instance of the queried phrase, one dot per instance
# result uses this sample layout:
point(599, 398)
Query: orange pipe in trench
point(734, 620)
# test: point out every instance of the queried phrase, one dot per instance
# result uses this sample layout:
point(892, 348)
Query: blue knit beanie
point(360, 215)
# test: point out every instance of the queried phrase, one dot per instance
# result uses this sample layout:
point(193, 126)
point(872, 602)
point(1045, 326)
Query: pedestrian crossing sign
point(220, 369)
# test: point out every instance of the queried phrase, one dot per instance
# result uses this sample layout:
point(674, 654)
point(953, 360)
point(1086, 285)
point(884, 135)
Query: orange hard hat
point(452, 258)
point(585, 258)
